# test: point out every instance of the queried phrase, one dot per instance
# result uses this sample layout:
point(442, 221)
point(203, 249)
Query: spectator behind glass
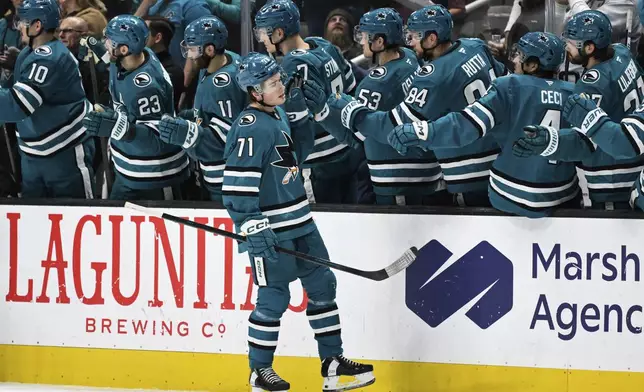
point(9, 40)
point(92, 11)
point(339, 31)
point(161, 33)
point(70, 31)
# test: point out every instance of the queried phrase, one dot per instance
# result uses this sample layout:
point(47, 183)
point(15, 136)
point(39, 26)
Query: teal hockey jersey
point(262, 174)
point(417, 173)
point(141, 159)
point(617, 87)
point(47, 100)
point(316, 64)
point(532, 186)
point(348, 78)
point(218, 102)
point(448, 84)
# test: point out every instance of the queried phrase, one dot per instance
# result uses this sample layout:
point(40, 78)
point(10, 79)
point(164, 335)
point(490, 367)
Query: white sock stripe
point(321, 316)
point(264, 328)
point(267, 343)
point(327, 329)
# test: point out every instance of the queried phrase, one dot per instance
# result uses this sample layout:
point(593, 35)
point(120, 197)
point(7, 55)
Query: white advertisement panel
point(556, 293)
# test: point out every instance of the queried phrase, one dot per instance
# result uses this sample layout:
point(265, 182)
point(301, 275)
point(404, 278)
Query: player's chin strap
point(31, 37)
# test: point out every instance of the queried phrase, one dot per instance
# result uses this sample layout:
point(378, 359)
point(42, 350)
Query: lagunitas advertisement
point(109, 278)
point(486, 290)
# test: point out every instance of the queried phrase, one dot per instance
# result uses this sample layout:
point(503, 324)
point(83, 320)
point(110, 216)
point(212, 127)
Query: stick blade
point(142, 209)
point(399, 265)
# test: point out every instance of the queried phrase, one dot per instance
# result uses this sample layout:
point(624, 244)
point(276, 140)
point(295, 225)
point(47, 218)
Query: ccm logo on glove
point(254, 226)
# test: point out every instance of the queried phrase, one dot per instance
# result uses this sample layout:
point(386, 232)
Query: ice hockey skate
point(335, 367)
point(266, 379)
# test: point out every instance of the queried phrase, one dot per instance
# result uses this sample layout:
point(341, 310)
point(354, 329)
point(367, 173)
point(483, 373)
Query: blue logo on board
point(482, 270)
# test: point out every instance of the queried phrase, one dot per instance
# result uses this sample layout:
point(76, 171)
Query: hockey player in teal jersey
point(348, 78)
point(412, 180)
point(459, 72)
point(218, 102)
point(146, 168)
point(266, 200)
point(47, 101)
point(333, 164)
point(614, 81)
point(532, 187)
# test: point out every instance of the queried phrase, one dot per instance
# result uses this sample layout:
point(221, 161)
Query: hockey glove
point(295, 106)
point(583, 113)
point(347, 107)
point(189, 114)
point(637, 193)
point(260, 238)
point(538, 140)
point(105, 122)
point(178, 131)
point(408, 135)
point(314, 96)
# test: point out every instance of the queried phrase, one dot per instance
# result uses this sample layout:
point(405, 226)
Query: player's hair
point(251, 97)
point(159, 24)
point(603, 54)
point(541, 73)
point(388, 46)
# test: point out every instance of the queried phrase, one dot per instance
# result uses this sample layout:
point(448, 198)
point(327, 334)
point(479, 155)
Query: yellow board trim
point(229, 373)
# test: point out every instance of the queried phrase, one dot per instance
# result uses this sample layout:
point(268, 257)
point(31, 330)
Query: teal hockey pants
point(67, 173)
point(273, 297)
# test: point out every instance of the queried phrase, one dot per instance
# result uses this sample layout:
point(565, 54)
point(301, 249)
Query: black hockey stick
point(104, 140)
point(402, 263)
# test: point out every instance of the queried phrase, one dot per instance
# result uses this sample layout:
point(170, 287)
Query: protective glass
point(110, 46)
point(191, 52)
point(22, 23)
point(412, 37)
point(516, 53)
point(360, 36)
point(575, 43)
point(262, 34)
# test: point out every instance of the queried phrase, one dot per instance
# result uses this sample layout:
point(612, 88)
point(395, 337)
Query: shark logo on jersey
point(298, 52)
point(247, 119)
point(287, 160)
point(43, 51)
point(591, 76)
point(221, 80)
point(426, 70)
point(169, 15)
point(142, 80)
point(378, 73)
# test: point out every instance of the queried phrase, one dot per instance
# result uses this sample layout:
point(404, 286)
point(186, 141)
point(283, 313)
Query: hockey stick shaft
point(12, 159)
point(104, 155)
point(225, 233)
